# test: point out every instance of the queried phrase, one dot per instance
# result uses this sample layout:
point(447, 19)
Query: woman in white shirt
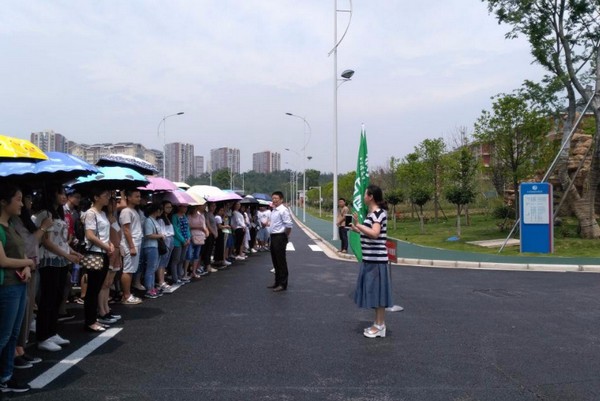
point(97, 240)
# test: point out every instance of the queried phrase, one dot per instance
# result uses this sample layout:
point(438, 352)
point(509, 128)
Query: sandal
point(79, 301)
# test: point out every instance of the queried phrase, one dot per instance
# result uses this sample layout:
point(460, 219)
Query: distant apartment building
point(179, 161)
point(198, 166)
point(266, 162)
point(49, 141)
point(225, 158)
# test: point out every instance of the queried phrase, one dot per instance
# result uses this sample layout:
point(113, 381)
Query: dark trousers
point(52, 284)
point(278, 244)
point(220, 247)
point(344, 238)
point(239, 240)
point(207, 249)
point(95, 280)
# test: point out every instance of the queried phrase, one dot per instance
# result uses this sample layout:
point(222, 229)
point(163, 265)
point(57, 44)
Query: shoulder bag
point(93, 260)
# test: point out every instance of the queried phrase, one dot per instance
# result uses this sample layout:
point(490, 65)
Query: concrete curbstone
point(553, 268)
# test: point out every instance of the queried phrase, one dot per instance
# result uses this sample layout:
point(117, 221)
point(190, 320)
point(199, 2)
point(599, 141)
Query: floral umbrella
point(177, 198)
point(19, 150)
point(60, 167)
point(139, 165)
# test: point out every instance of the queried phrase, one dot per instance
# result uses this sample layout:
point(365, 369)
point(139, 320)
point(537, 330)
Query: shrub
point(504, 212)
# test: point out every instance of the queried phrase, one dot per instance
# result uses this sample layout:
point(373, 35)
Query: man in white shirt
point(131, 244)
point(281, 227)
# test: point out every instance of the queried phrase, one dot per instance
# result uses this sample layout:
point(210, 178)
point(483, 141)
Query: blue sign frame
point(536, 207)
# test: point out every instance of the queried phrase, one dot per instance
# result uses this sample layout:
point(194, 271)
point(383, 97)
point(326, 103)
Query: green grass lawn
point(484, 227)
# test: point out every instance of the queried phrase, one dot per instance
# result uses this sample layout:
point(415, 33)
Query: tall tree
point(518, 135)
point(462, 167)
point(413, 173)
point(432, 152)
point(564, 36)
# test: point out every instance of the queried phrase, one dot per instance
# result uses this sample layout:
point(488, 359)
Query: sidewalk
point(417, 255)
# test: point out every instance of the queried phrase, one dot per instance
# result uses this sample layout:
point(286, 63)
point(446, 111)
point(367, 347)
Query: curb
point(331, 252)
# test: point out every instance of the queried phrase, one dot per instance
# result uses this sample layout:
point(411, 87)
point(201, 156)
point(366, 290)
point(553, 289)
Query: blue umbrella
point(112, 177)
point(60, 167)
point(262, 196)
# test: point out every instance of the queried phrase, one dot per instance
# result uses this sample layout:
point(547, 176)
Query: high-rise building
point(92, 153)
point(49, 141)
point(198, 166)
point(225, 158)
point(266, 162)
point(179, 161)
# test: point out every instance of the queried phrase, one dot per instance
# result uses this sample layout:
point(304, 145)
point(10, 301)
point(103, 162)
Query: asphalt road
point(464, 335)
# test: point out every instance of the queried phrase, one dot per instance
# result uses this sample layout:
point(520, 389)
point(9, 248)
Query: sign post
point(537, 228)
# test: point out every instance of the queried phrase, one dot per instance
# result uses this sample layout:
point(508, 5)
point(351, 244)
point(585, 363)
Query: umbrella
point(112, 177)
point(61, 167)
point(19, 150)
point(249, 200)
point(177, 198)
point(212, 194)
point(198, 200)
point(261, 196)
point(181, 185)
point(139, 165)
point(159, 184)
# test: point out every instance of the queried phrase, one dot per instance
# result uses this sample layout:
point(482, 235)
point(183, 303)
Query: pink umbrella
point(159, 184)
point(175, 197)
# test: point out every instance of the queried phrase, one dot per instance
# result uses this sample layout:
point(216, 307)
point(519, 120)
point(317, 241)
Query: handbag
point(93, 261)
point(162, 245)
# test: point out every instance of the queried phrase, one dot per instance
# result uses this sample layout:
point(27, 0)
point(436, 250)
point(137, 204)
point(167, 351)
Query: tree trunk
point(458, 220)
point(422, 220)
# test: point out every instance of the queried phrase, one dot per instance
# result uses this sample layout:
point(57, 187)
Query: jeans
point(13, 300)
point(193, 252)
point(343, 231)
point(151, 257)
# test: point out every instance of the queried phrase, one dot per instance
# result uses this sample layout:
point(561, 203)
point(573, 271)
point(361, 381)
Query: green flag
point(361, 182)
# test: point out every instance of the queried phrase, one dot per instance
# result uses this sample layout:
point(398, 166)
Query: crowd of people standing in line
point(125, 241)
point(132, 249)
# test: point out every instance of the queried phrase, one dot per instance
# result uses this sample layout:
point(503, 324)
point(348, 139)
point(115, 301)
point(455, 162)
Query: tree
point(419, 197)
point(461, 174)
point(517, 134)
point(564, 36)
point(394, 197)
point(432, 151)
point(413, 176)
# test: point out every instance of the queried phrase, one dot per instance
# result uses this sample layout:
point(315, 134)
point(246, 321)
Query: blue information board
point(537, 228)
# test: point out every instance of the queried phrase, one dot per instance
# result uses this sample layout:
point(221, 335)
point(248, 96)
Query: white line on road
point(290, 247)
point(315, 248)
point(48, 376)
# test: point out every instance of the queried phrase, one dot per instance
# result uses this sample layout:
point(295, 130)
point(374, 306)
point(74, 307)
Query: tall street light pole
point(348, 74)
point(306, 140)
point(163, 122)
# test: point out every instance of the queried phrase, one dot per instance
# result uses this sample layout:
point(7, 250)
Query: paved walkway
point(412, 254)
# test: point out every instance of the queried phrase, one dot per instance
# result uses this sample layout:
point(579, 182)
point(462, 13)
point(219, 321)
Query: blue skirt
point(374, 286)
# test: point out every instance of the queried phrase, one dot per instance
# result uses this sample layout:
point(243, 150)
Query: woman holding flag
point(373, 287)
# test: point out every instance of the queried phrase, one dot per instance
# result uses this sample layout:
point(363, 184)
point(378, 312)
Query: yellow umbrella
point(19, 150)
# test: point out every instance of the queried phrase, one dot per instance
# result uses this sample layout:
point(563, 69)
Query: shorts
point(131, 263)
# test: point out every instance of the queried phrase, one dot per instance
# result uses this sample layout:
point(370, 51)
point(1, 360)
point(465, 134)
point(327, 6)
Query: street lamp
point(163, 122)
point(346, 75)
point(306, 140)
point(320, 199)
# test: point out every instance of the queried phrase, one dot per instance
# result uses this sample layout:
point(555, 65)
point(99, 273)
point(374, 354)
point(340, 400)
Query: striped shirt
point(374, 250)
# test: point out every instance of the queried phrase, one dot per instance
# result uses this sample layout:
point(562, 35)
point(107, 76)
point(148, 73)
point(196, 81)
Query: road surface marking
point(315, 248)
point(290, 247)
point(48, 376)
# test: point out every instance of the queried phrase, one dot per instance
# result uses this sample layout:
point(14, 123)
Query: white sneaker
point(59, 340)
point(273, 270)
point(240, 258)
point(227, 263)
point(48, 345)
point(212, 269)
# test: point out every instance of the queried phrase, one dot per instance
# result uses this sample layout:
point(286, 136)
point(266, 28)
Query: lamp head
point(347, 74)
point(180, 113)
point(289, 114)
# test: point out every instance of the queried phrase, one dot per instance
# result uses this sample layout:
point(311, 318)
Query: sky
point(109, 71)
